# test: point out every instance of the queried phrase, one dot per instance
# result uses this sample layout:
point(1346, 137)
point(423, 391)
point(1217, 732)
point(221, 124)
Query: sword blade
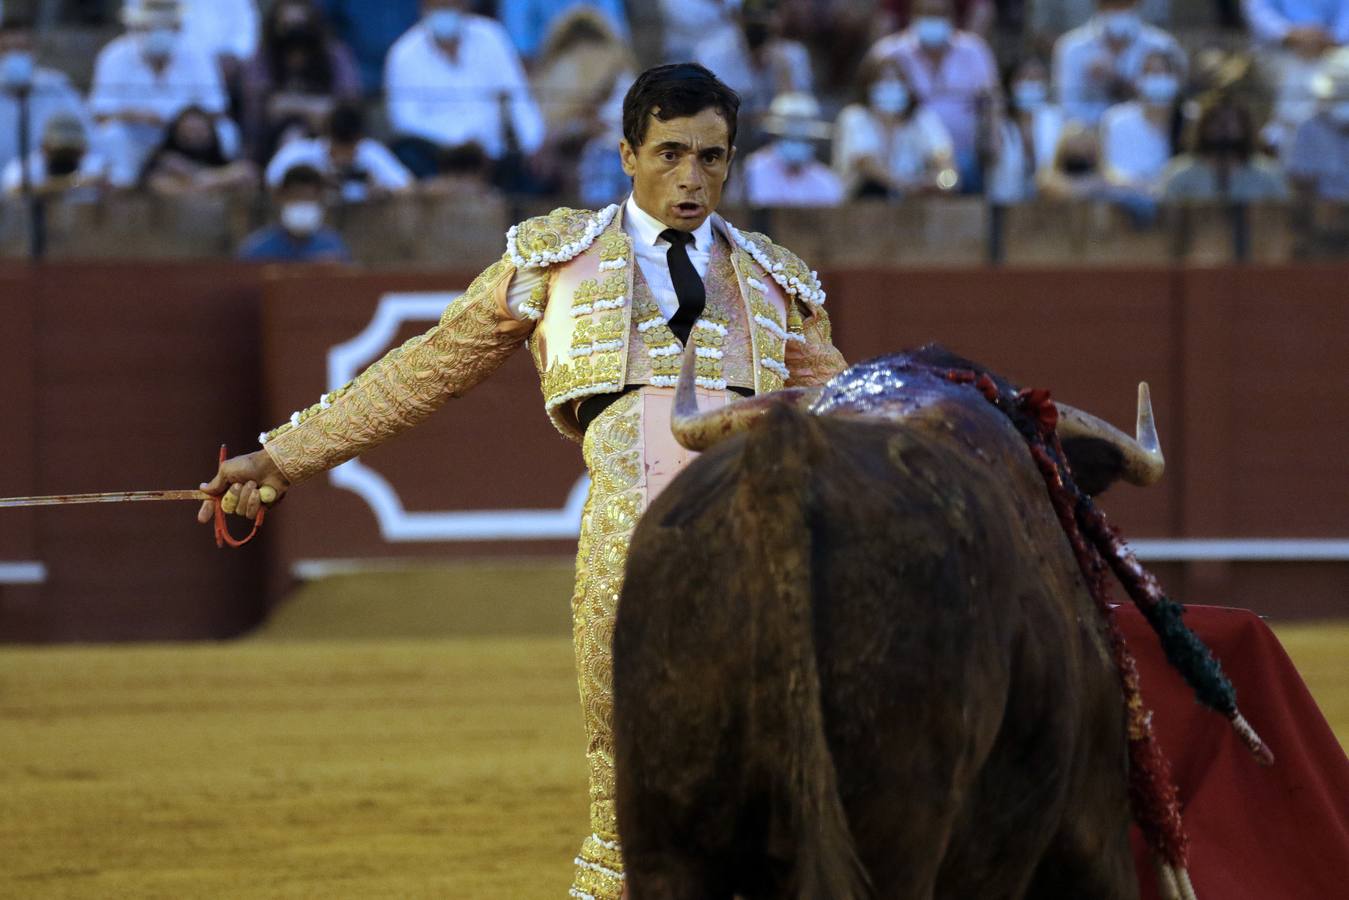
point(110, 497)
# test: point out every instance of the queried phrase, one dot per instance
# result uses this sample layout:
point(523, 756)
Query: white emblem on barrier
point(345, 361)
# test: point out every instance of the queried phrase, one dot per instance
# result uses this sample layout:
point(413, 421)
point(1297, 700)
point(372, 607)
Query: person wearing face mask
point(1293, 36)
point(888, 144)
point(299, 72)
point(1318, 161)
point(192, 161)
point(299, 234)
point(1223, 163)
point(46, 92)
point(786, 172)
point(144, 79)
point(1076, 170)
point(62, 164)
point(356, 165)
point(1027, 135)
point(1138, 136)
point(1097, 65)
point(455, 78)
point(951, 72)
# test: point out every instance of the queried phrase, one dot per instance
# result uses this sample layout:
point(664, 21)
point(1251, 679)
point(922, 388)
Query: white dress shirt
point(1134, 150)
point(124, 81)
point(372, 157)
point(222, 27)
point(649, 249)
point(454, 101)
point(1082, 97)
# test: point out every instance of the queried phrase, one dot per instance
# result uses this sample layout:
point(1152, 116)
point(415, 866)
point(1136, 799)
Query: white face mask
point(1159, 88)
point(16, 69)
point(159, 43)
point(795, 152)
point(933, 31)
point(1339, 112)
point(302, 218)
point(1123, 25)
point(445, 24)
point(889, 96)
point(1030, 94)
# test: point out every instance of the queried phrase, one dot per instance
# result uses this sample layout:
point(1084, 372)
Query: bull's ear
point(1096, 464)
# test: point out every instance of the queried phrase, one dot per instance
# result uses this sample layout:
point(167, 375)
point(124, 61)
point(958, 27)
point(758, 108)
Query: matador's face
point(680, 168)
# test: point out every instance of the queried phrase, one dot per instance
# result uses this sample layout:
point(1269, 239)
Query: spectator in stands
point(1028, 134)
point(888, 144)
point(299, 234)
point(688, 23)
point(1076, 173)
point(192, 161)
point(300, 72)
point(600, 179)
point(1051, 18)
point(529, 22)
point(62, 164)
point(223, 30)
point(1294, 35)
point(758, 63)
point(47, 91)
point(454, 78)
point(1098, 64)
point(1318, 162)
point(953, 73)
point(969, 15)
point(143, 80)
point(786, 172)
point(582, 58)
point(370, 29)
point(1137, 136)
point(357, 167)
point(465, 175)
point(1223, 163)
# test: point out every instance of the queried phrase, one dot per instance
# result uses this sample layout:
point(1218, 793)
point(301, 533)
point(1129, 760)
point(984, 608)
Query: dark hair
point(1215, 107)
point(346, 123)
point(317, 75)
point(301, 176)
point(213, 156)
point(675, 92)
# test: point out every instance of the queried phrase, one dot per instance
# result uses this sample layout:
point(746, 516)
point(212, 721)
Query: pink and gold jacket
point(592, 326)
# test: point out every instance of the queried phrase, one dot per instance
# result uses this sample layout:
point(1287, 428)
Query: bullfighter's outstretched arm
point(474, 336)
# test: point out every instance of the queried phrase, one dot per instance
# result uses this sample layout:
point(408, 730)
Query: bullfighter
point(606, 301)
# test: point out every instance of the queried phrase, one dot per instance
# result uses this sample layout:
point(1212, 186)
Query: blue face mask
point(933, 31)
point(1030, 94)
point(16, 69)
point(1159, 88)
point(1123, 25)
point(159, 43)
point(795, 152)
point(445, 24)
point(889, 96)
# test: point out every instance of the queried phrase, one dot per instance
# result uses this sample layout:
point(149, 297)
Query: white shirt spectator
point(371, 157)
point(1082, 97)
point(222, 27)
point(1271, 20)
point(905, 150)
point(689, 23)
point(125, 82)
point(455, 101)
point(52, 94)
point(92, 168)
point(1134, 150)
point(771, 181)
point(1013, 176)
point(1054, 17)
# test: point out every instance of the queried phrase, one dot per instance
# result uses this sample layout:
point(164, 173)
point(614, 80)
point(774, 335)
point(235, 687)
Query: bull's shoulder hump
point(784, 266)
point(557, 237)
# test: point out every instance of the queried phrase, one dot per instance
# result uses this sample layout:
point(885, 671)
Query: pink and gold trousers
point(631, 456)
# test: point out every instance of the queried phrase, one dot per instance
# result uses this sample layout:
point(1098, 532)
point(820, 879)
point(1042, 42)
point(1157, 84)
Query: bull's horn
point(1143, 460)
point(700, 430)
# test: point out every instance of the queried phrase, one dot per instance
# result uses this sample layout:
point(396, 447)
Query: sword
point(222, 535)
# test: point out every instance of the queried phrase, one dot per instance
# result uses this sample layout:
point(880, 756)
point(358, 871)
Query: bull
point(855, 655)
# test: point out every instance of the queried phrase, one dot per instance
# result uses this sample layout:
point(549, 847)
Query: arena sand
point(305, 763)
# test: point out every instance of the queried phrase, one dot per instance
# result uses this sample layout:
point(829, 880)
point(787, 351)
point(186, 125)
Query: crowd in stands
point(321, 102)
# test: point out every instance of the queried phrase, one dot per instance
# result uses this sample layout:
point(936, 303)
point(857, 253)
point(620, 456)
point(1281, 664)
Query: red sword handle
point(222, 531)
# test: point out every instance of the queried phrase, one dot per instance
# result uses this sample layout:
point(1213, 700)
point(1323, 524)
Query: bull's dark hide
point(854, 656)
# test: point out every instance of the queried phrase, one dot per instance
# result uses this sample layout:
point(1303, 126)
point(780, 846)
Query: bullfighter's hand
point(244, 483)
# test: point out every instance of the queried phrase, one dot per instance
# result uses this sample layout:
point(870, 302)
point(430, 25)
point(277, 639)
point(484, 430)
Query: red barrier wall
point(128, 376)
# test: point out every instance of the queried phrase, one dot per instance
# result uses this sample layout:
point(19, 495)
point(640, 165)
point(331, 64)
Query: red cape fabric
point(1255, 833)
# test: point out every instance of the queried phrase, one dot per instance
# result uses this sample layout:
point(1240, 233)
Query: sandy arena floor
point(334, 768)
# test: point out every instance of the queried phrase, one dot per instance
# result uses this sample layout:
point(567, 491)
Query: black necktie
point(688, 286)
